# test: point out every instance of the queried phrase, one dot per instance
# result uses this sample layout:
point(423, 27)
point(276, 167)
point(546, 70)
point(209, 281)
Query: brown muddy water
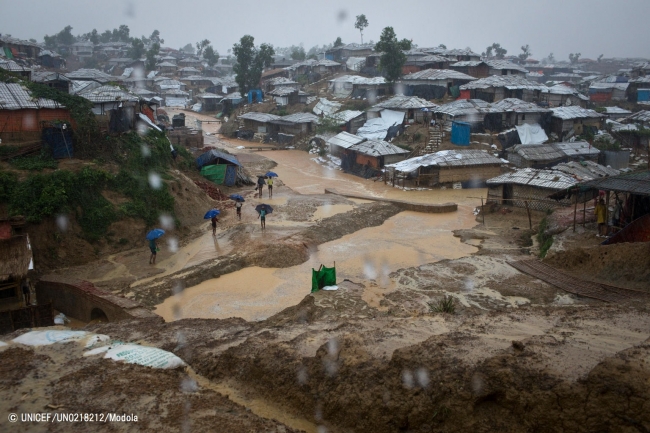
point(369, 255)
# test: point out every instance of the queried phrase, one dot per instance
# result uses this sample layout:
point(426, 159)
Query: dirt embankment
point(624, 264)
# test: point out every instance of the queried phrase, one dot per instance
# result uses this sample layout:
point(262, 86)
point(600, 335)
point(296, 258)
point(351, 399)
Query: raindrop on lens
point(422, 376)
point(407, 379)
point(155, 181)
point(172, 244)
point(166, 221)
point(146, 152)
point(62, 222)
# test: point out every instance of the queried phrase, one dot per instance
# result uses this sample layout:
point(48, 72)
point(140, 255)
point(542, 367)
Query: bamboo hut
point(15, 259)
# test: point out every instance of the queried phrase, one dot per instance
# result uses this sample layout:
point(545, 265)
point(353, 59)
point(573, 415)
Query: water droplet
point(369, 270)
point(141, 128)
point(62, 222)
point(321, 429)
point(146, 152)
point(154, 180)
point(189, 385)
point(178, 287)
point(422, 376)
point(302, 375)
point(166, 221)
point(333, 347)
point(172, 244)
point(407, 379)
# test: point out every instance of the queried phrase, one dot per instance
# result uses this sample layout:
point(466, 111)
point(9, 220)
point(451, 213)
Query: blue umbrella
point(155, 234)
point(270, 174)
point(237, 197)
point(266, 207)
point(211, 213)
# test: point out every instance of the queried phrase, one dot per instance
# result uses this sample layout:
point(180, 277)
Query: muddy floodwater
point(367, 256)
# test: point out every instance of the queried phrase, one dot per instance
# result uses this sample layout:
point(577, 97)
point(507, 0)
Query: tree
point(200, 46)
point(210, 55)
point(551, 58)
point(298, 53)
point(361, 24)
point(392, 58)
point(338, 42)
point(573, 57)
point(123, 33)
point(600, 58)
point(488, 51)
point(525, 53)
point(188, 48)
point(94, 37)
point(499, 51)
point(50, 41)
point(105, 37)
point(137, 49)
point(443, 46)
point(155, 37)
point(250, 62)
point(150, 64)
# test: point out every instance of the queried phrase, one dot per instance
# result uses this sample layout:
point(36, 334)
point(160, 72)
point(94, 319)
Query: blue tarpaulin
point(216, 157)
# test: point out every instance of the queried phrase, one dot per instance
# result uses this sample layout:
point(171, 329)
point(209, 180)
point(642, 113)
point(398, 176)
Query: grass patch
point(444, 305)
point(545, 241)
point(34, 162)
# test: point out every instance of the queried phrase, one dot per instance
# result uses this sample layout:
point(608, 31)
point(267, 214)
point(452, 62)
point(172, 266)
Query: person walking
point(260, 185)
point(262, 217)
point(601, 214)
point(26, 292)
point(238, 207)
point(270, 185)
point(154, 249)
point(214, 221)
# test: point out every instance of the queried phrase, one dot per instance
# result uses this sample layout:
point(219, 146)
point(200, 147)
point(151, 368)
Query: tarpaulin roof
point(551, 179)
point(401, 102)
point(378, 148)
point(357, 79)
point(552, 151)
point(14, 96)
point(91, 74)
point(573, 112)
point(531, 134)
point(108, 94)
point(259, 117)
point(512, 82)
point(516, 105)
point(437, 74)
point(346, 115)
point(447, 158)
point(585, 170)
point(11, 66)
point(326, 107)
point(461, 107)
point(213, 156)
point(641, 116)
point(345, 140)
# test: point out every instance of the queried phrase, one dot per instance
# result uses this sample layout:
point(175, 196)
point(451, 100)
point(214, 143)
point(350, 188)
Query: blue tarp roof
point(212, 156)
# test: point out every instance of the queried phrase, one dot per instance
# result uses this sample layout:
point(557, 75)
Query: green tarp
point(8, 53)
point(216, 173)
point(323, 277)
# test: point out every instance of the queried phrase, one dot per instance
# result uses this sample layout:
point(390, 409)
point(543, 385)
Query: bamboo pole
point(575, 214)
point(530, 221)
point(482, 211)
point(584, 213)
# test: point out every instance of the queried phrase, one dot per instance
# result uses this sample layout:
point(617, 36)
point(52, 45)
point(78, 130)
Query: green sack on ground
point(323, 277)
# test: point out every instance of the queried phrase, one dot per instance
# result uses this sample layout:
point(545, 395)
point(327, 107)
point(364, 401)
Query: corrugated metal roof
point(516, 105)
point(635, 183)
point(430, 58)
point(463, 107)
point(512, 82)
point(346, 115)
point(585, 170)
point(645, 79)
point(456, 52)
point(378, 148)
point(437, 74)
point(401, 102)
point(91, 74)
point(189, 69)
point(283, 91)
point(573, 112)
point(345, 140)
point(259, 117)
point(11, 66)
point(447, 158)
point(108, 94)
point(279, 81)
point(14, 96)
point(617, 110)
point(551, 179)
point(504, 65)
point(538, 152)
point(608, 86)
point(300, 118)
point(167, 65)
point(46, 76)
point(83, 86)
point(467, 63)
point(574, 148)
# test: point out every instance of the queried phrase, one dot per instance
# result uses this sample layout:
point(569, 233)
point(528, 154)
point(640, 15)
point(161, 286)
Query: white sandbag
point(44, 338)
point(142, 355)
point(2, 344)
point(96, 339)
point(97, 351)
point(331, 288)
point(60, 319)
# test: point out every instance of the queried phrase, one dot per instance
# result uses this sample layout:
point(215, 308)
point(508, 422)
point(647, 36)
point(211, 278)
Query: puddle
point(259, 407)
point(404, 240)
point(329, 210)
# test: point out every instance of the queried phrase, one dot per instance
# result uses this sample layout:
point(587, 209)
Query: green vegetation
point(392, 54)
point(34, 162)
point(545, 240)
point(444, 305)
point(251, 61)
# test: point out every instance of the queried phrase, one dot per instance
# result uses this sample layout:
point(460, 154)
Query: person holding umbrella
point(260, 185)
point(212, 216)
point(263, 210)
point(151, 237)
point(238, 203)
point(270, 175)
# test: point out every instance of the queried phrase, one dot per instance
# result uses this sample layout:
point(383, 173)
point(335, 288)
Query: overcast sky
point(591, 27)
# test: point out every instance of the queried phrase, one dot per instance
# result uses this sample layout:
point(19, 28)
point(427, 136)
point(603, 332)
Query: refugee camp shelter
point(568, 121)
point(115, 108)
point(343, 52)
point(258, 122)
point(604, 91)
point(510, 112)
point(373, 154)
point(550, 154)
point(296, 124)
point(497, 87)
point(474, 68)
point(326, 108)
point(472, 111)
point(285, 95)
point(219, 167)
point(350, 120)
point(469, 167)
point(529, 188)
point(51, 59)
point(415, 63)
point(54, 80)
point(342, 141)
point(561, 95)
point(412, 106)
point(15, 261)
point(616, 113)
point(92, 75)
point(22, 116)
point(356, 86)
point(434, 83)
